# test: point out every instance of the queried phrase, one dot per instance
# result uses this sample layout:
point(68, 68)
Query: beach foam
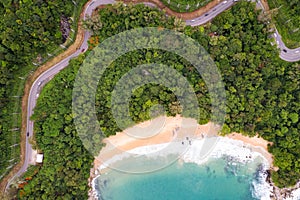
point(260, 188)
point(237, 151)
point(295, 195)
point(225, 146)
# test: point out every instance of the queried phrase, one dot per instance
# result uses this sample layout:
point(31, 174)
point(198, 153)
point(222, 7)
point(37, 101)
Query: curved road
point(290, 55)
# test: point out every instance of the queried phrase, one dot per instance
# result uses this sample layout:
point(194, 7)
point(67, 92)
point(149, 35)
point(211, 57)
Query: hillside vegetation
point(29, 30)
point(262, 91)
point(185, 5)
point(286, 15)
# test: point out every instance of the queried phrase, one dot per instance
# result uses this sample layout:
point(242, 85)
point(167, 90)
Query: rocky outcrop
point(281, 193)
point(65, 27)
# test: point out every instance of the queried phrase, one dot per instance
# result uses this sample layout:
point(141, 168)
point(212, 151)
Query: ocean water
point(217, 179)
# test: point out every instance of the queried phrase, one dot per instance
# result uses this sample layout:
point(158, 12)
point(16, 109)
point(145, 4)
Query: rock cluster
point(65, 27)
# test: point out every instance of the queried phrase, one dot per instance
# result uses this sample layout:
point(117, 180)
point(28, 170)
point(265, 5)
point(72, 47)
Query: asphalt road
point(290, 55)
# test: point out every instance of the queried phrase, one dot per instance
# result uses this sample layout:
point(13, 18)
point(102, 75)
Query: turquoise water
point(216, 179)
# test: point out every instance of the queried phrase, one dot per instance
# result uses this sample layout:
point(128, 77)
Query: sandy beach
point(257, 144)
point(172, 129)
point(164, 130)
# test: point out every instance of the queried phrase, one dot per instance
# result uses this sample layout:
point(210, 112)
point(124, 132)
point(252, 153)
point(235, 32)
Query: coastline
point(122, 142)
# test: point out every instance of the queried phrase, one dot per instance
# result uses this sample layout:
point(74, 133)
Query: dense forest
point(263, 95)
point(31, 32)
point(66, 165)
point(286, 15)
point(185, 5)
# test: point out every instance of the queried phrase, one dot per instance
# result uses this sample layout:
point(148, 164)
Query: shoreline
point(245, 156)
point(126, 141)
point(173, 130)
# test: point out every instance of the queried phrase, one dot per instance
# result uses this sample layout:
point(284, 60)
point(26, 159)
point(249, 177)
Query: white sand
point(168, 139)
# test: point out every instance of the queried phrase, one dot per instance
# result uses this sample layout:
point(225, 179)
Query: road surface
point(290, 55)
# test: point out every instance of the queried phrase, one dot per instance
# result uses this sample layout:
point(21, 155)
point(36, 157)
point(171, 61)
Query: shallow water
point(218, 178)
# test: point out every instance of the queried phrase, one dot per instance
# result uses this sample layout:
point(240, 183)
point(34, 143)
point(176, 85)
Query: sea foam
point(238, 151)
point(295, 195)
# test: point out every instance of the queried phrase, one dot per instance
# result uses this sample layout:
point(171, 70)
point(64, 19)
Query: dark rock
point(65, 27)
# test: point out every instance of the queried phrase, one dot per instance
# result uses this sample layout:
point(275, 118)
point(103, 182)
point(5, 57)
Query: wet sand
point(172, 129)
